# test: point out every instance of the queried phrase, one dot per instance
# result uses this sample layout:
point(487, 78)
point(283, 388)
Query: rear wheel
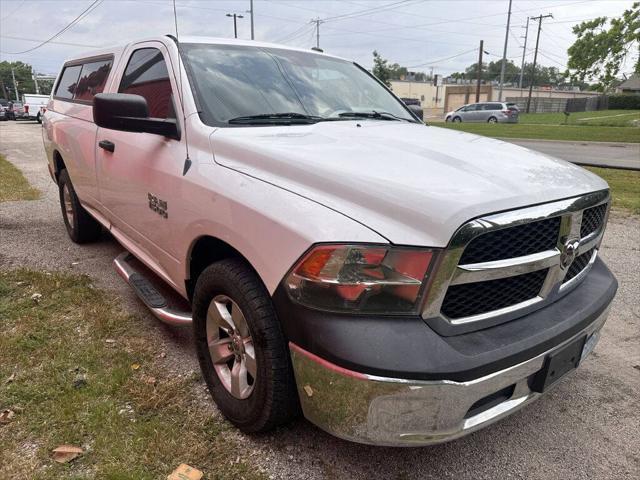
point(81, 227)
point(457, 119)
point(242, 351)
point(492, 120)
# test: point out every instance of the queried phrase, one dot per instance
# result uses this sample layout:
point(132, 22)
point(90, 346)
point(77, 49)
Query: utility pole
point(524, 52)
point(235, 23)
point(504, 53)
point(35, 81)
point(535, 56)
point(253, 37)
point(317, 21)
point(15, 84)
point(479, 71)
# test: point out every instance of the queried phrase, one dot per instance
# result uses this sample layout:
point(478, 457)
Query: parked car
point(415, 106)
point(35, 106)
point(400, 284)
point(16, 110)
point(4, 104)
point(490, 112)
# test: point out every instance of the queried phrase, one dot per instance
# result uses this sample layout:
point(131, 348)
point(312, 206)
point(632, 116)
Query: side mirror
point(130, 113)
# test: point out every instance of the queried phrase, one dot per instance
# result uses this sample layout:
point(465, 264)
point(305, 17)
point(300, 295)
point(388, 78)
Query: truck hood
point(412, 184)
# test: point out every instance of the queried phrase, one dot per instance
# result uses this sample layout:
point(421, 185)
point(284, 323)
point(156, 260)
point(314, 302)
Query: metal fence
point(548, 105)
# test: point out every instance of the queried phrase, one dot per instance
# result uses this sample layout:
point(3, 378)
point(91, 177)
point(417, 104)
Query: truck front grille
point(518, 241)
point(476, 298)
point(501, 266)
point(578, 265)
point(592, 219)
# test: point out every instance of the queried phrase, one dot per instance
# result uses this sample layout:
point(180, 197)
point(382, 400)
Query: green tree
point(381, 69)
point(24, 79)
point(603, 45)
point(491, 73)
point(386, 71)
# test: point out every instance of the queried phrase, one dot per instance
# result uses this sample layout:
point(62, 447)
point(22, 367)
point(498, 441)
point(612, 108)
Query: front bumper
point(398, 412)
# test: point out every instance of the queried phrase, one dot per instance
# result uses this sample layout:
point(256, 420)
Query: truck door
point(139, 173)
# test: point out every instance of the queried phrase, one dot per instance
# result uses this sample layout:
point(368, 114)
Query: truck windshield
point(238, 82)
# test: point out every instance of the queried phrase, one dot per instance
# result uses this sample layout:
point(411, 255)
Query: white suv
point(402, 284)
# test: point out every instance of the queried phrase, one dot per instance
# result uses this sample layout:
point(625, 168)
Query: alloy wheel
point(231, 347)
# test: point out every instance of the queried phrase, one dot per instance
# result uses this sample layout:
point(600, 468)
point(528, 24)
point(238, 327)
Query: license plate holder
point(558, 364)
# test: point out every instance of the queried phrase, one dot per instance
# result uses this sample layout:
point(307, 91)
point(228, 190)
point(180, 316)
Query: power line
point(295, 34)
point(52, 42)
point(76, 20)
point(12, 11)
point(442, 59)
point(368, 11)
point(554, 61)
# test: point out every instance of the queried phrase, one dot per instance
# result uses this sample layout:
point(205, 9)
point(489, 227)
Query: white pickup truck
point(34, 106)
point(400, 284)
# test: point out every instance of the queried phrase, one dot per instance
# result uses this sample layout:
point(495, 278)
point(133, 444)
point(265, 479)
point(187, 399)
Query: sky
point(420, 34)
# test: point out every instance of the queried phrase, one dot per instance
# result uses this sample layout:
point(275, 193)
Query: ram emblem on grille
point(568, 252)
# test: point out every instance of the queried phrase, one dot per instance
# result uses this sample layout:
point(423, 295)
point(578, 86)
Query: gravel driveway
point(587, 427)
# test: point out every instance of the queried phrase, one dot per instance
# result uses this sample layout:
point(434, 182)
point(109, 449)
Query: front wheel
point(241, 348)
point(457, 119)
point(38, 118)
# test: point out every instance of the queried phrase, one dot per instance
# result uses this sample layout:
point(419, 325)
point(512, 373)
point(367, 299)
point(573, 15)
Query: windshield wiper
point(286, 118)
point(374, 114)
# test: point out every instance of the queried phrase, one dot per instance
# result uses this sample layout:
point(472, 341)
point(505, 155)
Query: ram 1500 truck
point(399, 284)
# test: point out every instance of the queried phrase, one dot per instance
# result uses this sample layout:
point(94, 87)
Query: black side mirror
point(130, 113)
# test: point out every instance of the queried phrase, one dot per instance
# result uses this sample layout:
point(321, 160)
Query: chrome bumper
point(396, 412)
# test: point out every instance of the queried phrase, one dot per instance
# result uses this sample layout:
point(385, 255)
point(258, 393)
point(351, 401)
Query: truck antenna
point(187, 160)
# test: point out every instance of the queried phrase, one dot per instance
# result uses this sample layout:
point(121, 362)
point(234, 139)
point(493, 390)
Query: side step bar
point(158, 303)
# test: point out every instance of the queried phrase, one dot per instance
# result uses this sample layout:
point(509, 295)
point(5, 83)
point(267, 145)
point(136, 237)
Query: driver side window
point(147, 75)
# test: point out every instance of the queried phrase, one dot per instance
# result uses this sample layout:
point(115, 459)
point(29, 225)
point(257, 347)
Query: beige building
point(437, 100)
point(429, 95)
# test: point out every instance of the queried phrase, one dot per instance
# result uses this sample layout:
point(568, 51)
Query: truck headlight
point(361, 278)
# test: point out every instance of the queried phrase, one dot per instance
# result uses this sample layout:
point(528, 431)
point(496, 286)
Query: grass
point(625, 187)
point(605, 118)
point(13, 185)
point(132, 422)
point(585, 133)
point(600, 126)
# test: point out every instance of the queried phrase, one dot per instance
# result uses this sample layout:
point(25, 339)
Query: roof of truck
point(117, 50)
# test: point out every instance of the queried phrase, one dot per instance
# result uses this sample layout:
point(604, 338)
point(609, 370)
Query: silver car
point(491, 112)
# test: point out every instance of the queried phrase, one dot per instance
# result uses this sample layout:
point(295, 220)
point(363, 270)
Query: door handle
point(107, 145)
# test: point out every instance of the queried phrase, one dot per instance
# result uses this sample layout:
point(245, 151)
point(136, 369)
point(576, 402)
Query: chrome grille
point(475, 298)
point(522, 240)
point(502, 266)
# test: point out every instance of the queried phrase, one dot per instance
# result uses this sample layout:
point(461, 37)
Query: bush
point(624, 102)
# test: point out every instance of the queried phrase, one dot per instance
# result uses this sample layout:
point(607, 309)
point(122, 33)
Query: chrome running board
point(168, 310)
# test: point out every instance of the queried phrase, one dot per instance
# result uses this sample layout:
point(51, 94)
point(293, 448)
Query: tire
point(270, 398)
point(81, 226)
point(38, 118)
point(457, 120)
point(492, 120)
